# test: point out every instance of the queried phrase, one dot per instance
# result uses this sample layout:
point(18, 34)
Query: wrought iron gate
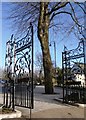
point(19, 69)
point(74, 73)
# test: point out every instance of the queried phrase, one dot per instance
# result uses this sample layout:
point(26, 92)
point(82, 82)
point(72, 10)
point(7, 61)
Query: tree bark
point(43, 35)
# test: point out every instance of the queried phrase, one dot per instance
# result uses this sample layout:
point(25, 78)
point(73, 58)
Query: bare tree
point(39, 61)
point(41, 15)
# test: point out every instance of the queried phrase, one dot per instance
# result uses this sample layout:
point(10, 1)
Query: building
point(78, 73)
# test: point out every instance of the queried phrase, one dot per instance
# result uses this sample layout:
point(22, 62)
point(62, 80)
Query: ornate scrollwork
point(23, 65)
point(21, 51)
point(24, 43)
point(74, 53)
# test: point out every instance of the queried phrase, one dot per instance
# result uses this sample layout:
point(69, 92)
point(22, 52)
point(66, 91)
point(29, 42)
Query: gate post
point(31, 107)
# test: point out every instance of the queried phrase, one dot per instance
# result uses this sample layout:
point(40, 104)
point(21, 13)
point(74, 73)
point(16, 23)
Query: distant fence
point(74, 94)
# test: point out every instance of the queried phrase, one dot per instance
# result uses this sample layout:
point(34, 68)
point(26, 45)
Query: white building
point(81, 78)
point(78, 73)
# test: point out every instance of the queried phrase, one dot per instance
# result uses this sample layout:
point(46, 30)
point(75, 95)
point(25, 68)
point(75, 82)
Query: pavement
point(45, 110)
point(46, 107)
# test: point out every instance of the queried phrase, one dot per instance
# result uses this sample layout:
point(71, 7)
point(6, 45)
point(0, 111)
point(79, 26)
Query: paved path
point(48, 110)
point(46, 107)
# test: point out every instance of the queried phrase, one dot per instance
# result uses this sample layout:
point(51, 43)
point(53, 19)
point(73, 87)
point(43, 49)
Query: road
point(40, 96)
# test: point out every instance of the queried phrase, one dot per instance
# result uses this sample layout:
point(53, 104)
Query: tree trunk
point(43, 35)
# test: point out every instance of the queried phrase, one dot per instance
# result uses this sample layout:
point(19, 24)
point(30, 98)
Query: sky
point(0, 33)
point(60, 39)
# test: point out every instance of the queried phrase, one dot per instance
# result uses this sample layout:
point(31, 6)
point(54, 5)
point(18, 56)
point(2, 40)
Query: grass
point(5, 110)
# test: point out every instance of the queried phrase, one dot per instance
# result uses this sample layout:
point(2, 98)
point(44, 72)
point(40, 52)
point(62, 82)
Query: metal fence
point(8, 94)
point(74, 94)
point(23, 96)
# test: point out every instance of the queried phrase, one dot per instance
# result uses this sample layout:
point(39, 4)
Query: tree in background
point(39, 61)
point(3, 74)
point(41, 15)
point(39, 67)
point(59, 75)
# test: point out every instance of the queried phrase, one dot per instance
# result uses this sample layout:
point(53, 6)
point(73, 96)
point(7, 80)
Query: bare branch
point(57, 7)
point(73, 18)
point(73, 13)
point(81, 6)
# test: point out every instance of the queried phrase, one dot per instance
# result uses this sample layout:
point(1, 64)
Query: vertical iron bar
point(63, 73)
point(24, 94)
point(4, 93)
point(32, 69)
point(84, 52)
point(13, 95)
point(66, 76)
point(21, 94)
point(10, 95)
point(14, 56)
point(27, 96)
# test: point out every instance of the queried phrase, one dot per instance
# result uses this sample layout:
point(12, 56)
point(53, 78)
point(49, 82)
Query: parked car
point(2, 81)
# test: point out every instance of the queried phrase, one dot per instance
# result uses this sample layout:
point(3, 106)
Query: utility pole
point(55, 55)
point(54, 52)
